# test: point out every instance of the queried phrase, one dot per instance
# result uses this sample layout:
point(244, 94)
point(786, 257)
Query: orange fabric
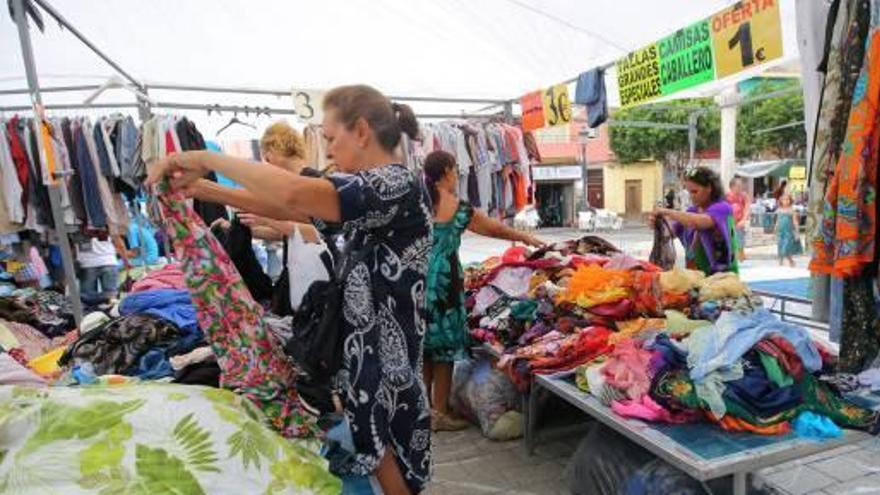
point(520, 192)
point(50, 152)
point(731, 423)
point(845, 243)
point(592, 285)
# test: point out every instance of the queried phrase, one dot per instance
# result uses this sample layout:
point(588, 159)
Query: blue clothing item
point(815, 426)
point(126, 153)
point(98, 284)
point(174, 305)
point(719, 347)
point(91, 199)
point(103, 156)
point(142, 236)
point(755, 393)
point(590, 91)
point(338, 448)
point(153, 365)
point(835, 310)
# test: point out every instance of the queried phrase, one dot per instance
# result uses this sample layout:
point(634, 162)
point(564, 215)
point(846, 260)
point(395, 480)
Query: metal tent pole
point(54, 193)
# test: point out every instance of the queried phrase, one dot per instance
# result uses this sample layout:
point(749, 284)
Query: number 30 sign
point(557, 105)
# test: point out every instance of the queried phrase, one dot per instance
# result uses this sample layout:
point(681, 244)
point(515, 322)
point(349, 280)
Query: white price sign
point(308, 104)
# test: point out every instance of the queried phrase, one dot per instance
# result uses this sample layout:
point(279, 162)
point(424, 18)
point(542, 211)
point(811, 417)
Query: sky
point(443, 48)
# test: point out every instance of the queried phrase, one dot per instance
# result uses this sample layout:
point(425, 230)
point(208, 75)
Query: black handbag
point(317, 340)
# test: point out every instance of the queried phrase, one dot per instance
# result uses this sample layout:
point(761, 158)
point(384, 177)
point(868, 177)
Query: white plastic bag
point(304, 266)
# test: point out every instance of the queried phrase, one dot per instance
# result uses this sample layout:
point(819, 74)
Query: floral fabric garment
point(846, 235)
point(383, 318)
point(447, 320)
point(252, 362)
point(148, 438)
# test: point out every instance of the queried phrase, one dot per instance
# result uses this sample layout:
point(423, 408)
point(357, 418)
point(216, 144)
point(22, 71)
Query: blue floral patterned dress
point(383, 318)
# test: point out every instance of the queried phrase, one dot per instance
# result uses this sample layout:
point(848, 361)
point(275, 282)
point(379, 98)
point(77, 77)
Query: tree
point(788, 142)
point(669, 146)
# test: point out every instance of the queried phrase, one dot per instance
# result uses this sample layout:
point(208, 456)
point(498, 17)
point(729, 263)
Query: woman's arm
point(304, 196)
point(700, 221)
point(483, 225)
point(242, 199)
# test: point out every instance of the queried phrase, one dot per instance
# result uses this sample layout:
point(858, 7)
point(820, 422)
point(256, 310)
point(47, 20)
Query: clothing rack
point(34, 91)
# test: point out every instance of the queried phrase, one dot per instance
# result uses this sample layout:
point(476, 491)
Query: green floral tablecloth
point(151, 439)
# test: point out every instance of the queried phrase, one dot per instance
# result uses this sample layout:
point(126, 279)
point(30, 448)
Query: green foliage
point(252, 443)
point(669, 146)
point(196, 442)
point(159, 472)
point(790, 142)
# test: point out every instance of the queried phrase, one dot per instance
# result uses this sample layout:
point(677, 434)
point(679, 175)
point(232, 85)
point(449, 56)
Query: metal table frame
point(784, 315)
point(739, 465)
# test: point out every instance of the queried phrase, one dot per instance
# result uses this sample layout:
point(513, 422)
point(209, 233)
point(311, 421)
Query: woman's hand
point(532, 241)
point(252, 220)
point(183, 169)
point(222, 223)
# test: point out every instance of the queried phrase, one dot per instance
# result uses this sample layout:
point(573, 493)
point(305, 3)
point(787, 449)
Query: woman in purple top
point(707, 228)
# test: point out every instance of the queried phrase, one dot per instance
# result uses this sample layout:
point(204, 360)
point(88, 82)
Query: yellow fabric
point(722, 285)
point(47, 364)
point(634, 328)
point(592, 285)
point(50, 152)
point(677, 280)
point(677, 323)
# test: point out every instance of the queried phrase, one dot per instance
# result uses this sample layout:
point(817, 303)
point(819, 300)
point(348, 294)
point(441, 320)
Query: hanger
point(235, 120)
point(116, 82)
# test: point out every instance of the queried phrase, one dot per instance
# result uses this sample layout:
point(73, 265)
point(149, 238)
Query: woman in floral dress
point(447, 337)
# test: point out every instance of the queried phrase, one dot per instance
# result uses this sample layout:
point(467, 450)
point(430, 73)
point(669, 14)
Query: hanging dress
point(446, 338)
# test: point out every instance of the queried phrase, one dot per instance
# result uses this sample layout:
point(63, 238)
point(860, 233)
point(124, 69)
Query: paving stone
point(841, 468)
point(800, 480)
point(868, 485)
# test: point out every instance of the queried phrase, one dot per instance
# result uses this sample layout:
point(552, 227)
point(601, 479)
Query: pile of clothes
point(154, 335)
point(670, 346)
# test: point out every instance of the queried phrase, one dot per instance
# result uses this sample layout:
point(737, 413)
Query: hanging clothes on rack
point(494, 163)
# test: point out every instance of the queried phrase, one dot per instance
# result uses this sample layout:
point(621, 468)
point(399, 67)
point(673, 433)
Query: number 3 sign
point(557, 105)
point(745, 35)
point(308, 104)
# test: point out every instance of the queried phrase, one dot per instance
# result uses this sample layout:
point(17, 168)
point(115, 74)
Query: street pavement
point(467, 463)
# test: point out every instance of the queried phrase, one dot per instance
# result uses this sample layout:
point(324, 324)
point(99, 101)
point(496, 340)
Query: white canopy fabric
point(775, 168)
point(451, 48)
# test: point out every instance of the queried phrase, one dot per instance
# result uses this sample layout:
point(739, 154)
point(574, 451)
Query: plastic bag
point(305, 263)
point(486, 397)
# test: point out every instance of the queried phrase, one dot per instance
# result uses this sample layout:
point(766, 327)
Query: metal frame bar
point(27, 51)
point(67, 25)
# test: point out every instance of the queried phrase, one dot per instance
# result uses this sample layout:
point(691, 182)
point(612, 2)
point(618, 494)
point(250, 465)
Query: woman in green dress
point(447, 336)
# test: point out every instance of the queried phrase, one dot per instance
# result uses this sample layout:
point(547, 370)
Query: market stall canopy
point(772, 168)
point(492, 48)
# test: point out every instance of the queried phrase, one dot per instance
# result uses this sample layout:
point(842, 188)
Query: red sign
point(532, 111)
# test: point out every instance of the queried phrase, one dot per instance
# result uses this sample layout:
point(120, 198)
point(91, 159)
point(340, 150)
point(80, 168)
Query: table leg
point(530, 407)
point(740, 483)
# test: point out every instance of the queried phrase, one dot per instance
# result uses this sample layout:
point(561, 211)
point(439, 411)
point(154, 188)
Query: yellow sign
point(746, 34)
point(799, 172)
point(638, 76)
point(557, 105)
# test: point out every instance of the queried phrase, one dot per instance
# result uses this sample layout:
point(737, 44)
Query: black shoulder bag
point(317, 341)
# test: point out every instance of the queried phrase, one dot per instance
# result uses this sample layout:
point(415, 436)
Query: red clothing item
point(739, 203)
point(20, 158)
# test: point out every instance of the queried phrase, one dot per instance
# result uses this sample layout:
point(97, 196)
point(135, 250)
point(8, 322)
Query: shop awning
point(772, 168)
